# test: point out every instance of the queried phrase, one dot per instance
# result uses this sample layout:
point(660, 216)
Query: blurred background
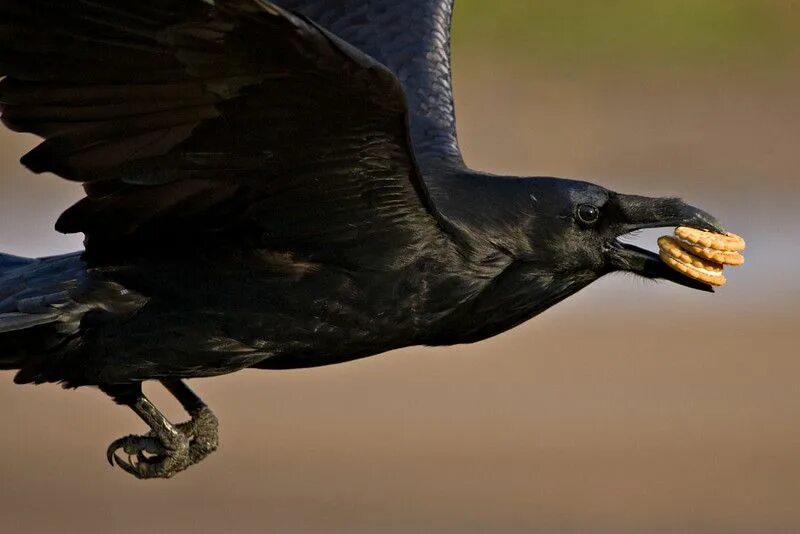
point(631, 407)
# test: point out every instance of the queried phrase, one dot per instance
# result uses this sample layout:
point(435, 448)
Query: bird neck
point(485, 213)
point(519, 293)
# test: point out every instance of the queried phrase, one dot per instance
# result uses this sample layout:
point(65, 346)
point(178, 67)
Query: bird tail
point(12, 326)
point(31, 294)
point(9, 354)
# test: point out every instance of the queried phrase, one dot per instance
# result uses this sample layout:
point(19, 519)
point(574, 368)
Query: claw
point(111, 451)
point(119, 461)
point(165, 462)
point(197, 439)
point(127, 467)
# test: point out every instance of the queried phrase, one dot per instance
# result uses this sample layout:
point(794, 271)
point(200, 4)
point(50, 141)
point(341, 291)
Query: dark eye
point(588, 214)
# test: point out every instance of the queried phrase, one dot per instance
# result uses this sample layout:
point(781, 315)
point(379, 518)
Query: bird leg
point(202, 428)
point(167, 449)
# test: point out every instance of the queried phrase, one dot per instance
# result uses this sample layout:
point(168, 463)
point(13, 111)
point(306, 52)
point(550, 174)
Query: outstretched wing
point(412, 38)
point(200, 121)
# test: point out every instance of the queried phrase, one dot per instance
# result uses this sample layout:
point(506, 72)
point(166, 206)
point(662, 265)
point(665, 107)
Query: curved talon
point(127, 467)
point(166, 449)
point(197, 439)
point(112, 449)
point(133, 444)
point(165, 462)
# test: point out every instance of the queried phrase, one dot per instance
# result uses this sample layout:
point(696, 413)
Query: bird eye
point(588, 214)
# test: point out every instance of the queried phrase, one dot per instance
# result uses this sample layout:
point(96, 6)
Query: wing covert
point(412, 38)
point(191, 119)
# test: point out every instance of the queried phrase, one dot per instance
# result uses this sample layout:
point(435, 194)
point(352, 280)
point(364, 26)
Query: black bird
point(272, 185)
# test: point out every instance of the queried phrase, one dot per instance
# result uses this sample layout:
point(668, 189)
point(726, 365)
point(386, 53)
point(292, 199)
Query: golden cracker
point(688, 264)
point(729, 242)
point(725, 257)
point(691, 272)
point(673, 247)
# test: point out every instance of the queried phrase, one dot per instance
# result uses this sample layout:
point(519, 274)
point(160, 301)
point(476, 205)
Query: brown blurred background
point(632, 407)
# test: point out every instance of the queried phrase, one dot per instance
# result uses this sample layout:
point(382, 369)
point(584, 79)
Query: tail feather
point(42, 305)
point(35, 293)
point(9, 262)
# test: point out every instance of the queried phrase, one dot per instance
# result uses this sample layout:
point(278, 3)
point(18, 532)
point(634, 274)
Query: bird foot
point(203, 433)
point(152, 457)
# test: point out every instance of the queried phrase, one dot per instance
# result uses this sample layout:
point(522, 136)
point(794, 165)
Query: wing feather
point(412, 39)
point(233, 120)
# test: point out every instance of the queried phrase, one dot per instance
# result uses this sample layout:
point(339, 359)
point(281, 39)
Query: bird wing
point(412, 38)
point(200, 121)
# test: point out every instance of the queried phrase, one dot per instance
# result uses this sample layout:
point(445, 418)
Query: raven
point(272, 185)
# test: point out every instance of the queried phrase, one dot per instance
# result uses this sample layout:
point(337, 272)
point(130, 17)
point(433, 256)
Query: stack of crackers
point(701, 254)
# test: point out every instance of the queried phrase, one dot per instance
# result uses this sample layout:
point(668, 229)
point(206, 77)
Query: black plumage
point(271, 187)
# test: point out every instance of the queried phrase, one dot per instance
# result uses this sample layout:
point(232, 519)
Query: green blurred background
point(631, 407)
point(604, 34)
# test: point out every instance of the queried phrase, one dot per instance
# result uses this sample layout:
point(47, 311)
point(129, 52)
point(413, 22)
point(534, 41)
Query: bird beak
point(637, 213)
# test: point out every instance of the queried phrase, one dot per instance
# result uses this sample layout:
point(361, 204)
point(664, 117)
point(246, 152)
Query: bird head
point(575, 228)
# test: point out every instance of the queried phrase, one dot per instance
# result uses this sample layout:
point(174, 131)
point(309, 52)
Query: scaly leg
point(202, 429)
point(167, 449)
